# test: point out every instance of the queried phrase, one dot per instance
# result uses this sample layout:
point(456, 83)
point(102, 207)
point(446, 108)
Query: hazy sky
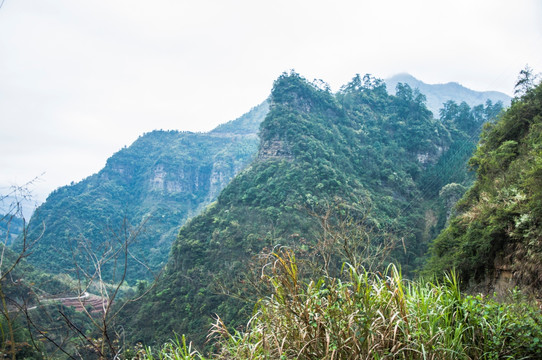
point(81, 79)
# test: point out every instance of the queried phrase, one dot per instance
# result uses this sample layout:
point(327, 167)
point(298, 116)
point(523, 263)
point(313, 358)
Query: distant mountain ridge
point(158, 182)
point(248, 124)
point(438, 94)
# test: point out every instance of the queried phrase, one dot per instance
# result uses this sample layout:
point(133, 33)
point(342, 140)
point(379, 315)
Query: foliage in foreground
point(370, 315)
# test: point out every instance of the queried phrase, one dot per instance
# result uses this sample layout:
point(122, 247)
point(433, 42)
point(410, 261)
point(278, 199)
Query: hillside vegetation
point(364, 314)
point(289, 261)
point(495, 237)
point(382, 159)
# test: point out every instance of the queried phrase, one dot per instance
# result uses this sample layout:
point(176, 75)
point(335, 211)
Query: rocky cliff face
point(426, 158)
point(183, 179)
point(220, 175)
point(274, 149)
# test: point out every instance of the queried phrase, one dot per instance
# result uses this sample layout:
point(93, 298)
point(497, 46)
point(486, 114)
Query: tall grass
point(176, 349)
point(369, 315)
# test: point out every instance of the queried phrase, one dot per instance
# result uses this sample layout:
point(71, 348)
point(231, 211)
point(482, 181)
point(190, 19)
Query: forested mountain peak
point(291, 95)
point(383, 157)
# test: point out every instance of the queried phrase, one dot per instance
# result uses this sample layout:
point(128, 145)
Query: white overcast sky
point(81, 79)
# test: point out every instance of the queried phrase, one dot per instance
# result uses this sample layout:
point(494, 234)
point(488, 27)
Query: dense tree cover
point(371, 150)
point(156, 184)
point(497, 225)
point(25, 282)
point(464, 124)
point(462, 117)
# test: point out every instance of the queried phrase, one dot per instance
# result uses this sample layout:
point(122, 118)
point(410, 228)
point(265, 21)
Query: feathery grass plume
point(176, 349)
point(373, 315)
point(379, 316)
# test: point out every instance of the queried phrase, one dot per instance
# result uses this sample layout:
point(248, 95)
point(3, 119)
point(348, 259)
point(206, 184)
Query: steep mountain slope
point(495, 238)
point(149, 189)
point(373, 152)
point(438, 94)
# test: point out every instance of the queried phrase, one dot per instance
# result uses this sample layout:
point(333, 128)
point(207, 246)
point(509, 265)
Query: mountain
point(143, 195)
point(494, 240)
point(438, 94)
point(381, 160)
point(11, 227)
point(155, 185)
